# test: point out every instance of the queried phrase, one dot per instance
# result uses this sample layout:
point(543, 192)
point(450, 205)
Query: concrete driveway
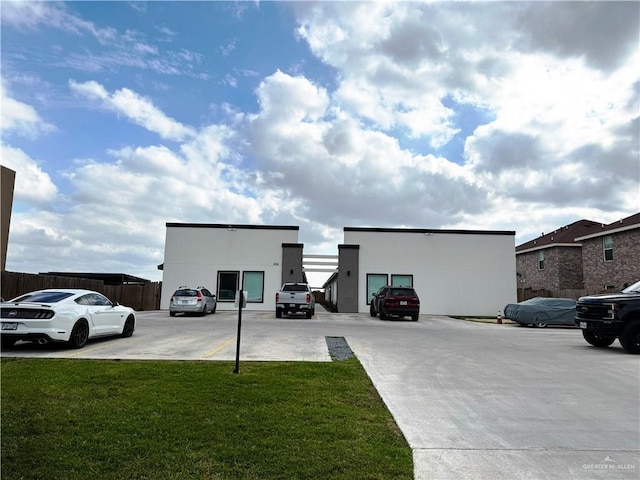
point(474, 400)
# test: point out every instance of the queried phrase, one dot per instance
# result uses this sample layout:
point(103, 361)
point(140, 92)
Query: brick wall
point(562, 269)
point(570, 268)
point(624, 268)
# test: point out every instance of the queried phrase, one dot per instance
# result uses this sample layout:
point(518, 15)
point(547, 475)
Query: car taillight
point(277, 297)
point(199, 296)
point(308, 298)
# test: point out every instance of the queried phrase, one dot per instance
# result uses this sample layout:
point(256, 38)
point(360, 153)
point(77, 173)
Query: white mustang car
point(63, 315)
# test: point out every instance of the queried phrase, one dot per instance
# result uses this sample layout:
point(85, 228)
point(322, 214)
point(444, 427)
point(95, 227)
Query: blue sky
point(121, 116)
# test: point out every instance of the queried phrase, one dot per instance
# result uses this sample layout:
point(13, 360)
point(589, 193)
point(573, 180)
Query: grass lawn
point(90, 419)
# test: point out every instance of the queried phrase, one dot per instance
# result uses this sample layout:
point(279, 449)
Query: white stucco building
point(454, 272)
point(224, 258)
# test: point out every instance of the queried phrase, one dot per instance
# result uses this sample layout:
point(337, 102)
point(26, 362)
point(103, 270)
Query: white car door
point(106, 318)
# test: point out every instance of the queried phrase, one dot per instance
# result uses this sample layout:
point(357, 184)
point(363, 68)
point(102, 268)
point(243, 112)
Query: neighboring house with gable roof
point(611, 256)
point(553, 261)
point(585, 257)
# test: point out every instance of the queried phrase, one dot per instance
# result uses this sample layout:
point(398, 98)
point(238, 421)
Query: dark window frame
point(541, 260)
point(220, 298)
point(607, 251)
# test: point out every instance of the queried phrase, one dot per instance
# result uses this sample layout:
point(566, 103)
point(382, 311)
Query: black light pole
point(237, 368)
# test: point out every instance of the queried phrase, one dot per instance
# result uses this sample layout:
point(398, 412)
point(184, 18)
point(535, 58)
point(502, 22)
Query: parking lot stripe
point(220, 347)
point(84, 351)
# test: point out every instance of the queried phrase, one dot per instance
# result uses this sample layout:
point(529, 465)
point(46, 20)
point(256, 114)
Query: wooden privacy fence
point(140, 297)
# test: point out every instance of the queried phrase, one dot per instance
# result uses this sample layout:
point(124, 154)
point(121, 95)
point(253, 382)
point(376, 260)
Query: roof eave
point(549, 245)
point(609, 232)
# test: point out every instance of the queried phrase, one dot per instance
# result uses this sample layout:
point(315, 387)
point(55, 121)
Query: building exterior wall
point(7, 179)
point(348, 276)
point(623, 269)
point(292, 263)
point(570, 272)
point(331, 289)
point(454, 272)
point(196, 253)
point(562, 269)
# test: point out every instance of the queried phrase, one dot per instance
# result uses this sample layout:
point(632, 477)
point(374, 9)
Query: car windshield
point(187, 292)
point(635, 288)
point(402, 292)
point(42, 297)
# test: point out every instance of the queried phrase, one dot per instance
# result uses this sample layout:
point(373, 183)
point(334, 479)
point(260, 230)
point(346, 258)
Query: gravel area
point(339, 348)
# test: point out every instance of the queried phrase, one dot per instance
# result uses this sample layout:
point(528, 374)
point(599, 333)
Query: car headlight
point(611, 309)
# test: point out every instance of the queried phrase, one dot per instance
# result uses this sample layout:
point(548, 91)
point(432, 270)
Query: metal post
point(237, 368)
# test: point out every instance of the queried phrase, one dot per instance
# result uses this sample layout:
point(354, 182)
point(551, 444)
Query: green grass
point(86, 419)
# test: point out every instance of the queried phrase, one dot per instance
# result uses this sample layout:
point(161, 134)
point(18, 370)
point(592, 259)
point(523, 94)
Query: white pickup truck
point(295, 298)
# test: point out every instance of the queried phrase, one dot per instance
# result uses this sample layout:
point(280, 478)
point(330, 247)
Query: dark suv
point(398, 301)
point(603, 318)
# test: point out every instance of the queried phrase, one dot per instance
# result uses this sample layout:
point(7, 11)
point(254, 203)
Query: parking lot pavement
point(474, 400)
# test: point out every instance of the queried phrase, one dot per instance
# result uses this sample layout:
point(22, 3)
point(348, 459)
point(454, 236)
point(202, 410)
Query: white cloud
point(559, 141)
point(551, 107)
point(27, 14)
point(18, 118)
point(33, 186)
point(342, 172)
point(286, 98)
point(138, 109)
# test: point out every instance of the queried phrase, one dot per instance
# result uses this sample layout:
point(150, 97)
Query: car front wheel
point(630, 337)
point(79, 334)
point(372, 312)
point(596, 339)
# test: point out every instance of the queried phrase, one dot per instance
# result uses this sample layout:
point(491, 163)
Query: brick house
point(611, 256)
point(553, 261)
point(582, 258)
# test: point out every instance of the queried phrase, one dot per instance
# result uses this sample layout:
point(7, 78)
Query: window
point(43, 297)
point(227, 286)
point(607, 246)
point(541, 259)
point(374, 282)
point(402, 280)
point(253, 284)
point(94, 299)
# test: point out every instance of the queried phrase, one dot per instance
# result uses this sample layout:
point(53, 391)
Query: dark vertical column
point(348, 273)
point(292, 263)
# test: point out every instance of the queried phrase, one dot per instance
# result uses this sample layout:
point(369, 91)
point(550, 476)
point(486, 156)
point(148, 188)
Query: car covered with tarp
point(542, 311)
